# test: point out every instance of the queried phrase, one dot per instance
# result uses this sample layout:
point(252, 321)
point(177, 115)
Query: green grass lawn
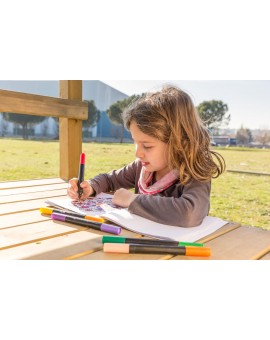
point(246, 159)
point(235, 197)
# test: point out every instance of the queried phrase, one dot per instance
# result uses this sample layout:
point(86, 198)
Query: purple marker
point(109, 228)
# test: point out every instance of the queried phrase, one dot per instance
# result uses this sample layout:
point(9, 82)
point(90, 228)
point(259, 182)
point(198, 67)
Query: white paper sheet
point(102, 206)
point(143, 226)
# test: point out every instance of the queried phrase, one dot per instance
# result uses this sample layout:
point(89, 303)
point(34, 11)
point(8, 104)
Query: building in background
point(224, 141)
point(102, 94)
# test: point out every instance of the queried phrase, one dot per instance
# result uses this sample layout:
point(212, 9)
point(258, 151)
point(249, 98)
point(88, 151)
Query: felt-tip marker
point(81, 174)
point(151, 249)
point(109, 228)
point(129, 240)
point(49, 211)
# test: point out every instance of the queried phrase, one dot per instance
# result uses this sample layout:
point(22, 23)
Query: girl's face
point(150, 151)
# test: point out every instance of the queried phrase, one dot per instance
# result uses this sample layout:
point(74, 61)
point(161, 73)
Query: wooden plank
point(12, 208)
point(70, 147)
point(27, 183)
point(262, 253)
point(56, 248)
point(70, 132)
point(18, 235)
point(31, 196)
point(240, 244)
point(100, 255)
point(265, 257)
point(70, 89)
point(17, 191)
point(32, 104)
point(223, 230)
point(18, 219)
point(243, 243)
point(69, 246)
point(249, 172)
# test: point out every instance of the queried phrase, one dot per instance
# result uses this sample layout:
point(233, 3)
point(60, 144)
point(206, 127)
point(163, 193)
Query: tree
point(93, 115)
point(116, 109)
point(3, 125)
point(213, 113)
point(24, 120)
point(243, 136)
point(263, 137)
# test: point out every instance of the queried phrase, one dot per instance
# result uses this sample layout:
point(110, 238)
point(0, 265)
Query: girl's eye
point(147, 147)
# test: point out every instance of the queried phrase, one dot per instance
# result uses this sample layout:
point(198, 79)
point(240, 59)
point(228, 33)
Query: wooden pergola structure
point(69, 108)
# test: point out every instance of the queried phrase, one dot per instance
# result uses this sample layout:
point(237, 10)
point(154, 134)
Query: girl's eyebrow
point(144, 141)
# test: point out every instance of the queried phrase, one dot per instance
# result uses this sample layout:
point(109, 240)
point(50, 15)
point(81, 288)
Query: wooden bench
point(26, 234)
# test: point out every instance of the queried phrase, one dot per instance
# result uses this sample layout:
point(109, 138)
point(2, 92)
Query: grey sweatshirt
point(178, 205)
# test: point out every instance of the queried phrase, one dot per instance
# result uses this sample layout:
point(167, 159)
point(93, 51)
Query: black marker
point(151, 249)
point(81, 174)
point(147, 241)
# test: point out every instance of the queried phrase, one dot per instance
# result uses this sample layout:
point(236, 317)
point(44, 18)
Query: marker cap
point(113, 239)
point(192, 244)
point(198, 251)
point(82, 158)
point(94, 218)
point(116, 248)
point(113, 229)
point(47, 211)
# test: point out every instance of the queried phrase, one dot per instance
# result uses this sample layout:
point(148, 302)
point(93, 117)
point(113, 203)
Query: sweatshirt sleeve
point(187, 210)
point(125, 177)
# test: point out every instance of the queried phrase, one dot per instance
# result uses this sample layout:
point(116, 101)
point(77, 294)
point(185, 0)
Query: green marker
point(140, 240)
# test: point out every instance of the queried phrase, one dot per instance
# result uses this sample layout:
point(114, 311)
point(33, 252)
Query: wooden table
point(26, 234)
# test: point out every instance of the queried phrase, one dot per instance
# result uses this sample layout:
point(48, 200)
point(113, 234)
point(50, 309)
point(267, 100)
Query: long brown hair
point(170, 116)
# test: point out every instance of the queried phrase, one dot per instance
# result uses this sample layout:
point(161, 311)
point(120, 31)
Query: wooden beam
point(71, 107)
point(70, 131)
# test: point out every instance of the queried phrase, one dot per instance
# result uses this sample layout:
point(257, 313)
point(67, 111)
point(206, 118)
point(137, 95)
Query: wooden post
point(70, 132)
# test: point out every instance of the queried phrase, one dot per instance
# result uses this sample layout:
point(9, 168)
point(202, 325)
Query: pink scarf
point(162, 184)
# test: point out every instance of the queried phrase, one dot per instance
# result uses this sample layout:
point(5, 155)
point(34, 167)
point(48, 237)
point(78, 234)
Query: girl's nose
point(138, 153)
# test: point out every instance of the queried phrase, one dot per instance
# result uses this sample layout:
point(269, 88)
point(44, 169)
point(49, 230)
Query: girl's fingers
point(73, 183)
point(84, 184)
point(72, 190)
point(72, 194)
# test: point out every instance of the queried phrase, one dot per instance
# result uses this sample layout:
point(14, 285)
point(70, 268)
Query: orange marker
point(153, 249)
point(49, 211)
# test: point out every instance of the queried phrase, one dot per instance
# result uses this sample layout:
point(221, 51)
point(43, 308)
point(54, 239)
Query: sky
point(248, 100)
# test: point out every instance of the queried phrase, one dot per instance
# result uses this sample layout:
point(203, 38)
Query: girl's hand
point(123, 198)
point(72, 190)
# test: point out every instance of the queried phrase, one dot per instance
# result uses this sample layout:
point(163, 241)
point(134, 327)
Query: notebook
point(101, 205)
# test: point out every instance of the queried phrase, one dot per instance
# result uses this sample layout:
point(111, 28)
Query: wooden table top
point(26, 234)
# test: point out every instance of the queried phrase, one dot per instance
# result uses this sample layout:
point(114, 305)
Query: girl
point(174, 166)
